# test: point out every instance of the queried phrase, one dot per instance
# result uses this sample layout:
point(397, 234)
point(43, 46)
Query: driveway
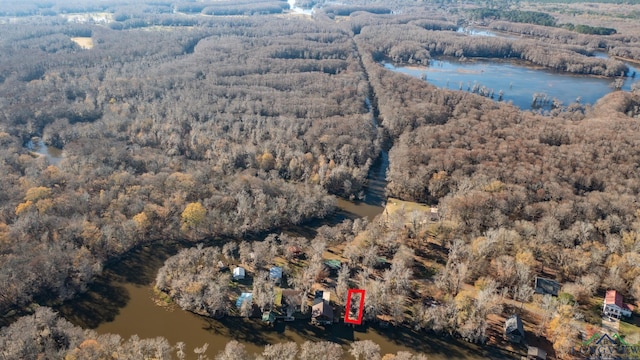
point(610, 327)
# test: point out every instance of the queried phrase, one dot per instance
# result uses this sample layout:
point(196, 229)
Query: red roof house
point(613, 305)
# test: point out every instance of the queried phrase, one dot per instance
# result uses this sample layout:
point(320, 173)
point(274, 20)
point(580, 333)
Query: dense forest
point(205, 121)
point(190, 134)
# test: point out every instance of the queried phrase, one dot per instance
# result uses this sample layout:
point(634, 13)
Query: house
point(433, 213)
point(535, 353)
point(513, 330)
point(334, 266)
point(238, 273)
point(322, 313)
point(613, 305)
point(275, 274)
point(321, 295)
point(547, 286)
point(295, 251)
point(291, 302)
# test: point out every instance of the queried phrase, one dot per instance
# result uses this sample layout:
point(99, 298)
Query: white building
point(238, 273)
point(613, 305)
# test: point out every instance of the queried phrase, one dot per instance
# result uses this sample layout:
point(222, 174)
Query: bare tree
point(233, 351)
point(365, 349)
point(281, 351)
point(322, 350)
point(342, 283)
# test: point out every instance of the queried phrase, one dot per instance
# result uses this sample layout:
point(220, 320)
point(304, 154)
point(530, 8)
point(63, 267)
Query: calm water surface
point(518, 82)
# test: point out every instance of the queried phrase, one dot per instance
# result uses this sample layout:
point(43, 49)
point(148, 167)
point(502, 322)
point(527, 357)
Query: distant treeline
point(412, 44)
point(630, 2)
point(344, 10)
point(53, 8)
point(529, 17)
point(536, 18)
point(227, 8)
point(586, 29)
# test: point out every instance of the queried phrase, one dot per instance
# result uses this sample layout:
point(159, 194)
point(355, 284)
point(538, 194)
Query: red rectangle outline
point(347, 319)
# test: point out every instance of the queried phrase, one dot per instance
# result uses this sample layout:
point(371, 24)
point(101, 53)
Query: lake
point(518, 81)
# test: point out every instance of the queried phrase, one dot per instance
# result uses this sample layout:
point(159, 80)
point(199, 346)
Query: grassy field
point(394, 205)
point(630, 331)
point(84, 42)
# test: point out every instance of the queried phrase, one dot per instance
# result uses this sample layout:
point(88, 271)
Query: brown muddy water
point(122, 301)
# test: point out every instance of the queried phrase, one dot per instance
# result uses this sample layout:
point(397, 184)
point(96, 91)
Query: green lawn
point(630, 332)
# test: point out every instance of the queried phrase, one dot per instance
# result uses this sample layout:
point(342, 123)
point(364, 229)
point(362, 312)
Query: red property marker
point(355, 307)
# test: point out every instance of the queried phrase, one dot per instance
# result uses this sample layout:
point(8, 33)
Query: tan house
point(322, 313)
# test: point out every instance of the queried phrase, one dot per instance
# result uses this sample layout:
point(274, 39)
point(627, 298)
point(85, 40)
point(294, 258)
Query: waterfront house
point(269, 317)
point(535, 353)
point(613, 305)
point(513, 329)
point(291, 302)
point(322, 313)
point(242, 298)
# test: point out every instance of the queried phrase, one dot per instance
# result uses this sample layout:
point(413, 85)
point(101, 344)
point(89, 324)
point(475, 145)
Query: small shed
point(222, 266)
point(322, 313)
point(547, 286)
point(269, 317)
point(238, 273)
point(295, 251)
point(433, 213)
point(535, 353)
point(275, 274)
point(242, 298)
point(513, 329)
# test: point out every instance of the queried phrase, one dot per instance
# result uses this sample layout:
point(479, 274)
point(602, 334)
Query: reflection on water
point(518, 83)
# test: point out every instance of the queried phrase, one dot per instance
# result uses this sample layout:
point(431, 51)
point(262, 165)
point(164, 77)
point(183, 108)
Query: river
point(122, 302)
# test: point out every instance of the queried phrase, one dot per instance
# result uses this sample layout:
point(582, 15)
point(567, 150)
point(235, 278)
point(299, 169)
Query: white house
point(613, 305)
point(238, 273)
